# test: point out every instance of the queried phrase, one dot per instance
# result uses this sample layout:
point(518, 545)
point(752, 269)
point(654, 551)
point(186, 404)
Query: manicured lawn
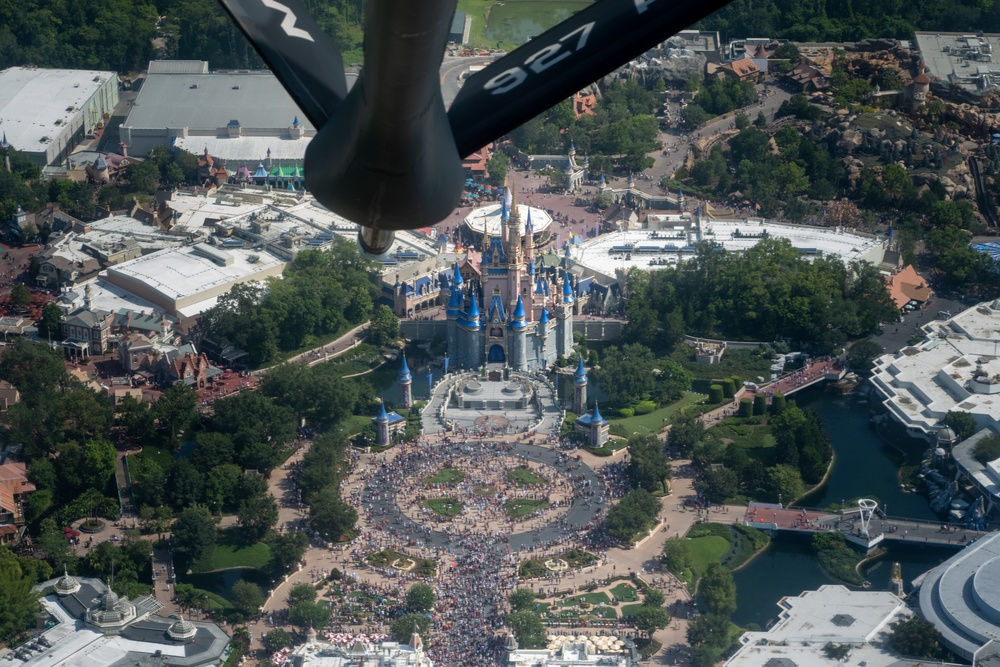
point(657, 419)
point(387, 557)
point(231, 551)
point(525, 477)
point(447, 507)
point(523, 507)
point(607, 613)
point(625, 593)
point(355, 424)
point(629, 610)
point(445, 476)
point(591, 598)
point(705, 551)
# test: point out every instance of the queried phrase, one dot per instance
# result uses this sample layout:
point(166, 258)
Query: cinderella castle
point(512, 315)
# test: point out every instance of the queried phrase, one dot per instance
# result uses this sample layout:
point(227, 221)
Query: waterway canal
point(864, 466)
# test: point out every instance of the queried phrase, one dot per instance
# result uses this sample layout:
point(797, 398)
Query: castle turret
point(470, 330)
point(382, 426)
point(564, 319)
point(454, 311)
point(405, 381)
point(580, 389)
point(598, 428)
point(518, 352)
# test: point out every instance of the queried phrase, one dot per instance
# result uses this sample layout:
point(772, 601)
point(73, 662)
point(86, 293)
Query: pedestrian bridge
point(867, 532)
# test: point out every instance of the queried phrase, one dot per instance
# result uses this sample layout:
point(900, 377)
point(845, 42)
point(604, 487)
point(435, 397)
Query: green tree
point(862, 355)
point(300, 593)
point(287, 550)
point(194, 536)
point(384, 327)
point(277, 639)
point(915, 637)
point(54, 545)
point(497, 166)
point(785, 480)
point(649, 619)
point(419, 598)
point(648, 467)
point(676, 555)
point(686, 430)
point(404, 627)
point(693, 115)
point(306, 615)
point(627, 373)
point(718, 590)
point(256, 516)
point(20, 296)
point(176, 409)
point(331, 517)
point(134, 421)
point(522, 599)
point(961, 422)
point(246, 598)
point(527, 629)
point(143, 177)
point(987, 449)
point(18, 601)
point(48, 324)
point(654, 597)
point(633, 515)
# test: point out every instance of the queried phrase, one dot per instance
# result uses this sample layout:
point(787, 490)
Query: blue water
point(864, 466)
point(221, 582)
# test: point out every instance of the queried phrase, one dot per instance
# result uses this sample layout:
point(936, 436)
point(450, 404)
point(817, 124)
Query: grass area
point(525, 477)
point(355, 424)
point(705, 551)
point(161, 456)
point(575, 558)
point(446, 507)
point(657, 419)
point(445, 476)
point(197, 597)
point(386, 557)
point(625, 593)
point(589, 598)
point(522, 507)
point(232, 551)
point(311, 343)
point(629, 610)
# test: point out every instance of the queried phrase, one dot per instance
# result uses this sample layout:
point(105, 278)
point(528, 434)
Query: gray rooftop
point(962, 58)
point(210, 101)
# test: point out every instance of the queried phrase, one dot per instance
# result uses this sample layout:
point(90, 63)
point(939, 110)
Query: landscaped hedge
point(644, 407)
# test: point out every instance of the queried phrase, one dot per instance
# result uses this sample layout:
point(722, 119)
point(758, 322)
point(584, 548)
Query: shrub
point(746, 408)
point(715, 394)
point(644, 407)
point(778, 403)
point(760, 404)
point(625, 413)
point(728, 388)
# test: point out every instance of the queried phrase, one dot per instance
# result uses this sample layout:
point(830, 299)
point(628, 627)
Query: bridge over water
point(868, 534)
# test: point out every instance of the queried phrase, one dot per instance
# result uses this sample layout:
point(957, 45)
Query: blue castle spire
point(581, 373)
point(383, 416)
point(567, 289)
point(544, 318)
point(404, 371)
point(517, 320)
point(596, 418)
point(457, 278)
point(531, 268)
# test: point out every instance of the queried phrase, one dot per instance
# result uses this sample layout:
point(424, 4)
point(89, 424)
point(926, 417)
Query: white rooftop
point(597, 254)
point(182, 276)
point(921, 384)
point(248, 149)
point(33, 101)
point(832, 614)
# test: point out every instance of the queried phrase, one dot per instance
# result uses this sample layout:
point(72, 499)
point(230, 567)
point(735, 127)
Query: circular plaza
point(487, 219)
point(458, 494)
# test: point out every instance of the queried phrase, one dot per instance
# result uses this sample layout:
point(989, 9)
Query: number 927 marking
point(539, 61)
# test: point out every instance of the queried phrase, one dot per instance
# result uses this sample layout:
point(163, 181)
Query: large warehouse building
point(46, 113)
point(241, 117)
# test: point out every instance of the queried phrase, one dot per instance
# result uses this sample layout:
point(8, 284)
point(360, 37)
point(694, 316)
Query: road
point(451, 69)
